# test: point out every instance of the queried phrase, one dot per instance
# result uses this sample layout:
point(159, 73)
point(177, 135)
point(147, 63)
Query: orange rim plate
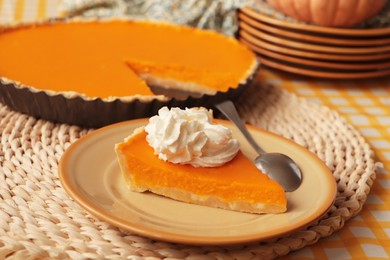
point(308, 54)
point(245, 21)
point(318, 29)
point(317, 63)
point(314, 47)
point(318, 73)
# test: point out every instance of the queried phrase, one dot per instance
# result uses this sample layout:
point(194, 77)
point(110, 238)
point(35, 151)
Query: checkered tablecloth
point(364, 103)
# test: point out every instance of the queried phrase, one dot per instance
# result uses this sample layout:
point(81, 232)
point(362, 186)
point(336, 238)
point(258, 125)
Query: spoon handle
point(229, 110)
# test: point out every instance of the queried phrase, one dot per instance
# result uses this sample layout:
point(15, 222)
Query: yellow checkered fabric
point(27, 10)
point(364, 103)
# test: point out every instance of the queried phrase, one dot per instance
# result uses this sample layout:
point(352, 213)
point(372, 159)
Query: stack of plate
point(314, 50)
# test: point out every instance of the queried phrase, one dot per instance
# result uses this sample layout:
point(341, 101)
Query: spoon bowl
point(277, 166)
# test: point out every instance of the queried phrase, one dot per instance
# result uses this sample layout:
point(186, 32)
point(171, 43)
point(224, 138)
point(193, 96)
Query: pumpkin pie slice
point(237, 185)
point(94, 73)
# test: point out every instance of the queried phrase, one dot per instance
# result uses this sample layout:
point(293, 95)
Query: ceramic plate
point(320, 73)
point(341, 66)
point(90, 174)
point(311, 55)
point(317, 29)
point(303, 36)
point(312, 47)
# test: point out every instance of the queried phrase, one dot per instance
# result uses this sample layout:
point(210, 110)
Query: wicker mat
point(38, 220)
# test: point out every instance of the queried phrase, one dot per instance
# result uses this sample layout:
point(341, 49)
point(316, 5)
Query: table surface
point(364, 103)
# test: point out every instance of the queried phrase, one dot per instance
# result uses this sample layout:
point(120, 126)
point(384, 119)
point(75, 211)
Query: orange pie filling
point(236, 185)
point(106, 58)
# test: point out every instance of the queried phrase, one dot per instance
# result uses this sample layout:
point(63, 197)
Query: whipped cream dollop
point(190, 137)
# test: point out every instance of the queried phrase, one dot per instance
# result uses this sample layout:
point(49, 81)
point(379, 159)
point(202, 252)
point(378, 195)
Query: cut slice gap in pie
point(184, 78)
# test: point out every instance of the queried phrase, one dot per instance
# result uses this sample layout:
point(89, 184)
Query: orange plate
point(314, 47)
point(307, 54)
point(320, 73)
point(100, 188)
point(316, 63)
point(317, 29)
point(245, 20)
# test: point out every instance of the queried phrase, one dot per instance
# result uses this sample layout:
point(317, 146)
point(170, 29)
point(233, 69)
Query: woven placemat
point(38, 220)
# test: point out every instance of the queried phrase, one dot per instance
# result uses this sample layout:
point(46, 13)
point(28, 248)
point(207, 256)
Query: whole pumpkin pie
point(114, 64)
point(234, 183)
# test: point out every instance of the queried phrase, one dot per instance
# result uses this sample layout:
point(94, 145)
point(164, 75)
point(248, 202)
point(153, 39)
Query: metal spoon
point(277, 166)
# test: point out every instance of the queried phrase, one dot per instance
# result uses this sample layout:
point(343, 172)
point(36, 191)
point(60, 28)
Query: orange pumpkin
point(331, 13)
